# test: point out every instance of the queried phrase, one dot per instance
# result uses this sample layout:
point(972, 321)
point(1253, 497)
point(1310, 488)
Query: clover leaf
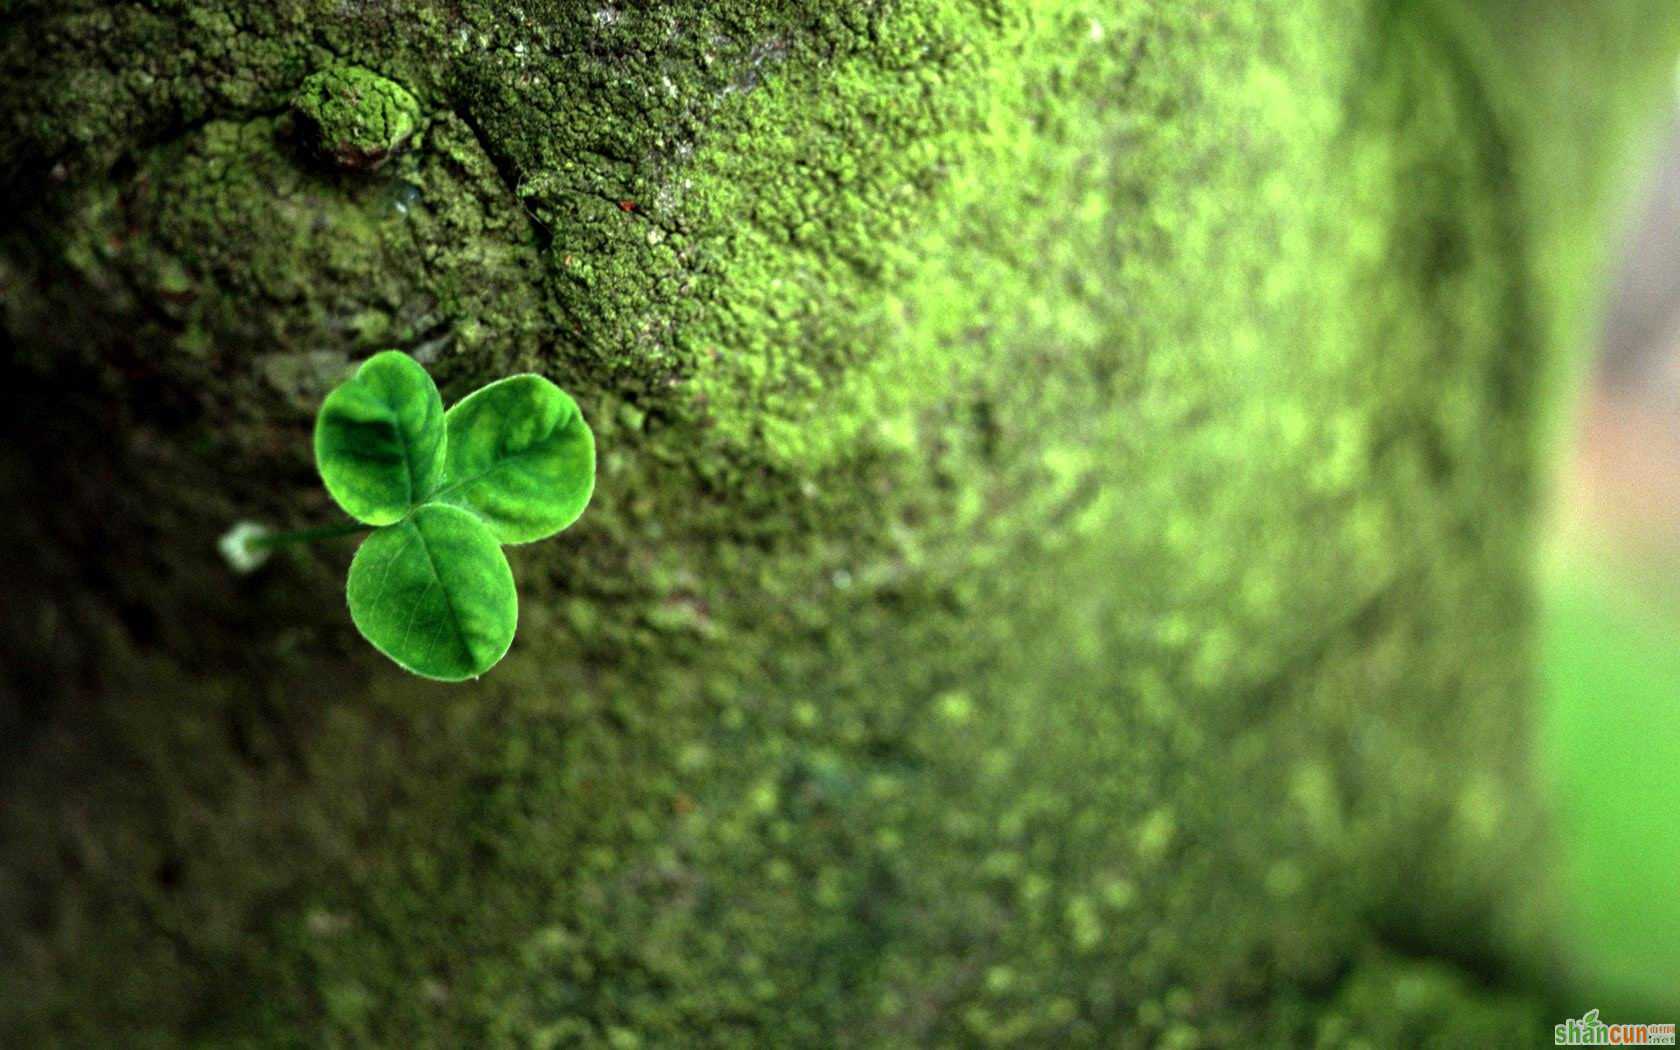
point(434, 593)
point(441, 492)
point(521, 457)
point(379, 439)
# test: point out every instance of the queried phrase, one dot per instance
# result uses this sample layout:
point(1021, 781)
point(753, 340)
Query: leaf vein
point(384, 577)
point(448, 600)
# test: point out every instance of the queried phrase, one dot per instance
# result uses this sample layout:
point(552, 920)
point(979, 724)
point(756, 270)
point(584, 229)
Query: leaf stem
point(319, 532)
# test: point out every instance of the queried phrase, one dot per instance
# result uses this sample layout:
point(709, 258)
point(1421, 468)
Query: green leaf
point(379, 439)
point(521, 457)
point(435, 594)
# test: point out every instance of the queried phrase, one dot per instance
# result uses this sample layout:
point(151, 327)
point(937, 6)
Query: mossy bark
point(1058, 569)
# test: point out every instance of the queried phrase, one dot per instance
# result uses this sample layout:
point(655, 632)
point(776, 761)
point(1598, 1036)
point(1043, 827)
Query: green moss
point(1056, 575)
point(355, 117)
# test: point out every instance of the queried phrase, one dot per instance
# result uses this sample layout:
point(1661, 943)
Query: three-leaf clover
point(512, 462)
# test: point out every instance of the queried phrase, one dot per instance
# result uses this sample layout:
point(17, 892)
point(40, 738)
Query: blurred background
point(1610, 735)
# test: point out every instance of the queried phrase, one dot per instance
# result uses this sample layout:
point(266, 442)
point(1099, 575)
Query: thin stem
point(319, 532)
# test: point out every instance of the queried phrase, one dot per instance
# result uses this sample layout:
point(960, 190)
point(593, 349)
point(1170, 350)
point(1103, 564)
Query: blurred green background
point(1610, 732)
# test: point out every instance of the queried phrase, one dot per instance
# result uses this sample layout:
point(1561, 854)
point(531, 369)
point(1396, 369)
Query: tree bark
point(1058, 569)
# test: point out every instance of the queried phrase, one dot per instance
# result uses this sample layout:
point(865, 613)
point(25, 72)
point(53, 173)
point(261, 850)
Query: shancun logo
point(1590, 1031)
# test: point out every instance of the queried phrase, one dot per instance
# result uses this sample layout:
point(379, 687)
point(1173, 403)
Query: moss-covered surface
point(1057, 575)
point(355, 118)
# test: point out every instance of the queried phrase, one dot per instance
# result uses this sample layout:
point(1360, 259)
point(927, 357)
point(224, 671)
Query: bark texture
point(1058, 569)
